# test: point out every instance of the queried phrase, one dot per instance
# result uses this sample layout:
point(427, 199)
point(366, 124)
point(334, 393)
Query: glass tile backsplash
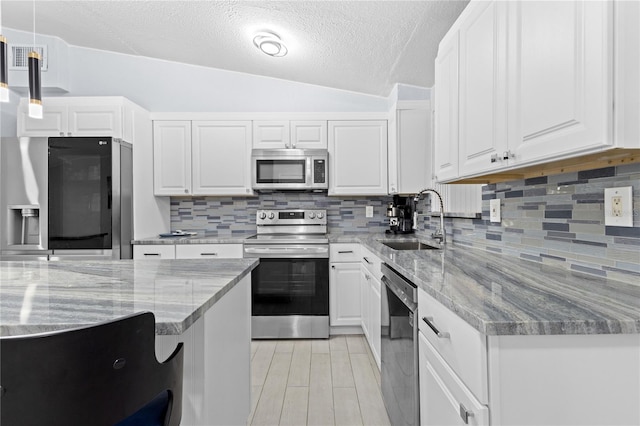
point(556, 220)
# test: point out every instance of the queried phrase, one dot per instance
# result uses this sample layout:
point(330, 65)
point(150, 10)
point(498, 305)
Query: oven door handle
point(289, 251)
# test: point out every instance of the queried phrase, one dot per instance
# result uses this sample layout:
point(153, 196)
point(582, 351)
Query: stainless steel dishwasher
point(399, 350)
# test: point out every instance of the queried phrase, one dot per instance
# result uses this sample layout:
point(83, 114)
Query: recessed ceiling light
point(270, 44)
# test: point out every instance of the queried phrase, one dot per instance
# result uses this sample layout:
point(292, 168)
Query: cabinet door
point(344, 291)
point(358, 157)
point(171, 157)
point(445, 155)
point(53, 122)
point(309, 134)
point(221, 157)
point(375, 303)
point(482, 108)
point(444, 399)
point(95, 120)
point(365, 287)
point(560, 78)
point(271, 134)
point(412, 154)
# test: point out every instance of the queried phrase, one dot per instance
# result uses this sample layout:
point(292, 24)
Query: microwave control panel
point(319, 171)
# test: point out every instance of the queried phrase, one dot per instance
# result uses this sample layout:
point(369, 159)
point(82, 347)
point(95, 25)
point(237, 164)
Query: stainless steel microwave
point(289, 169)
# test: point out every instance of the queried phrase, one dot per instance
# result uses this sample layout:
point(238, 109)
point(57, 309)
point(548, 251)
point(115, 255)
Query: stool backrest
point(95, 375)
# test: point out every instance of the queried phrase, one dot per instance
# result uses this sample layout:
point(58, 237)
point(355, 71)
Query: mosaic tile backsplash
point(229, 215)
point(556, 220)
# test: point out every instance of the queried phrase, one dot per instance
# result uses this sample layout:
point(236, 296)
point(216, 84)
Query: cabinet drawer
point(371, 262)
point(344, 252)
point(444, 398)
point(208, 251)
point(463, 348)
point(154, 251)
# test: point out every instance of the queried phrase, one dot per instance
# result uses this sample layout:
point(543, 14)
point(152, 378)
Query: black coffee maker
point(400, 214)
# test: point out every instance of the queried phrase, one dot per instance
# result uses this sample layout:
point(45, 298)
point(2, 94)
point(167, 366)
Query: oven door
point(290, 286)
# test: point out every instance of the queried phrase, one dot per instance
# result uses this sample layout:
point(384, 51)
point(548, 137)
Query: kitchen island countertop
point(44, 296)
point(499, 294)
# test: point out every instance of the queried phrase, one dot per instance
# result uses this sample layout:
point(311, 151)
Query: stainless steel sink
point(408, 245)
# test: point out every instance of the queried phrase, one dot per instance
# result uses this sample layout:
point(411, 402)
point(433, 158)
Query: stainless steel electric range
point(290, 286)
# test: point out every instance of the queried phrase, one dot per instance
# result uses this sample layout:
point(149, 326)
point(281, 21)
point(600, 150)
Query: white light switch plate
point(618, 206)
point(369, 211)
point(494, 210)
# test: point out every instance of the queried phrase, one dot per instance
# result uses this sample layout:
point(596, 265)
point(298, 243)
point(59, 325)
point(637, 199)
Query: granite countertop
point(503, 295)
point(201, 238)
point(43, 296)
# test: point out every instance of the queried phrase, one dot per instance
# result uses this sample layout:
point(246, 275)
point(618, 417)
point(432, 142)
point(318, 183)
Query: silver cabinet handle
point(441, 334)
point(465, 414)
point(208, 254)
point(367, 260)
point(494, 158)
point(152, 254)
point(345, 251)
point(186, 191)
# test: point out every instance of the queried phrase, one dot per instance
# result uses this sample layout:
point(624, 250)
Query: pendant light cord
point(34, 25)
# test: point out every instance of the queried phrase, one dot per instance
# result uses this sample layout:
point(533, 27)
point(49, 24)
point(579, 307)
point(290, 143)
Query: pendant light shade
point(4, 71)
point(35, 85)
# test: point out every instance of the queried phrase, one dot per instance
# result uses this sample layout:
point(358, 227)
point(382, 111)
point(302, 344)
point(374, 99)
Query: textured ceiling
point(360, 46)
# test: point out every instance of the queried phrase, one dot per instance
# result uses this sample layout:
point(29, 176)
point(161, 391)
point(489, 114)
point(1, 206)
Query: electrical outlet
point(369, 211)
point(618, 206)
point(494, 210)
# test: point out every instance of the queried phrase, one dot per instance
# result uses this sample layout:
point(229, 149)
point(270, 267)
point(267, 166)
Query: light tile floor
point(315, 382)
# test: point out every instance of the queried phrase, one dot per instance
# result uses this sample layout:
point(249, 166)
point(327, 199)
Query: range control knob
point(262, 215)
point(320, 215)
point(271, 215)
point(312, 215)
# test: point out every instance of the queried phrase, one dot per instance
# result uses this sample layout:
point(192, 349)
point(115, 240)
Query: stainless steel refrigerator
point(66, 197)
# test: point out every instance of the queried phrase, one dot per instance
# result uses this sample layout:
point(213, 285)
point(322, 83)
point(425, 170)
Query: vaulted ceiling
point(360, 46)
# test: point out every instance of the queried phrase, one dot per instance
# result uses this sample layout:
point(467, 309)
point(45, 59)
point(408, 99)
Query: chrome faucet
point(439, 234)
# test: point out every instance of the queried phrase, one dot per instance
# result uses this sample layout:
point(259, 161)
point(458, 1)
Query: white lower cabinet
point(344, 291)
point(187, 251)
point(344, 285)
point(444, 399)
point(154, 251)
point(541, 380)
point(371, 301)
point(209, 251)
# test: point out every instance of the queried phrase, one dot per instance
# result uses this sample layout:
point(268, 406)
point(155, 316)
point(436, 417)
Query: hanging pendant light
point(4, 74)
point(35, 86)
point(4, 65)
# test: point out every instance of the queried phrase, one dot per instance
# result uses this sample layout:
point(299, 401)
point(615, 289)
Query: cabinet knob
point(186, 191)
point(68, 133)
point(61, 133)
point(507, 155)
point(333, 266)
point(494, 158)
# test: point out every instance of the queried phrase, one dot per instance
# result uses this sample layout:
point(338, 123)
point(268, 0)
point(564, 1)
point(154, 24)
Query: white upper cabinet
point(172, 157)
point(309, 134)
point(445, 152)
point(290, 134)
point(482, 104)
point(221, 152)
point(79, 116)
point(560, 77)
point(358, 157)
point(410, 148)
point(536, 83)
point(202, 157)
point(271, 134)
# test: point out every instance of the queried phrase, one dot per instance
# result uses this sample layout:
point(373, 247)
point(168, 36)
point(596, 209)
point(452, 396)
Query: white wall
point(162, 86)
